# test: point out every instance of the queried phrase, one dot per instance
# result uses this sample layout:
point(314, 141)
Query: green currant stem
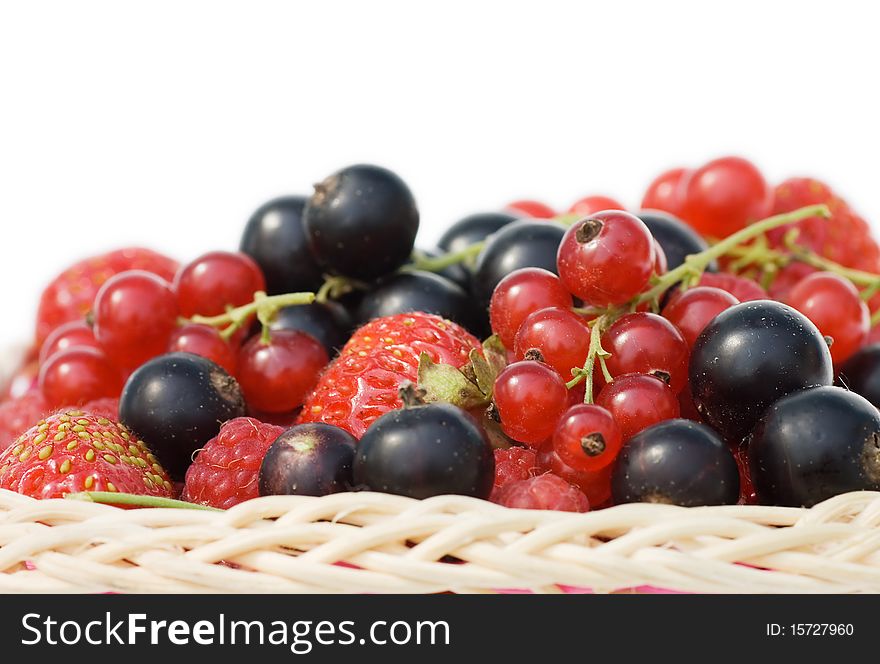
point(264, 306)
point(595, 351)
point(135, 500)
point(336, 286)
point(440, 263)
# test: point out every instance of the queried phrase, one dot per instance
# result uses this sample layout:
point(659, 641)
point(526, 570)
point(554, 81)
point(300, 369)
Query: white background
point(166, 123)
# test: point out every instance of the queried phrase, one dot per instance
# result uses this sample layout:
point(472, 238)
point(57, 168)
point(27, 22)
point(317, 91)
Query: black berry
point(861, 373)
point(677, 239)
point(327, 322)
point(473, 229)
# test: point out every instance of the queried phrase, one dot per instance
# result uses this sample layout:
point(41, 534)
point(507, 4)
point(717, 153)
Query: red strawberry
point(74, 451)
point(361, 384)
point(71, 294)
point(226, 471)
point(17, 414)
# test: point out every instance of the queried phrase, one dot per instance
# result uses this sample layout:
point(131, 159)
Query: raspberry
point(107, 407)
point(19, 413)
point(512, 464)
point(544, 492)
point(226, 471)
point(76, 451)
point(743, 289)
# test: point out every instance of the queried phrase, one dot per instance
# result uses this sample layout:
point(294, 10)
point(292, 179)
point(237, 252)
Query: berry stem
point(597, 327)
point(440, 263)
point(135, 500)
point(264, 306)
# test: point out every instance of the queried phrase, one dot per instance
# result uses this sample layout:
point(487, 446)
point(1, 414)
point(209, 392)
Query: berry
point(646, 343)
point(743, 289)
point(544, 492)
point(664, 192)
point(418, 291)
point(104, 407)
point(725, 195)
point(361, 222)
point(472, 229)
point(520, 293)
point(596, 485)
point(362, 382)
point(525, 243)
point(788, 277)
point(77, 375)
point(815, 444)
point(560, 336)
point(835, 307)
point(71, 294)
point(676, 238)
point(178, 402)
point(587, 438)
point(277, 375)
point(275, 238)
point(692, 310)
point(637, 401)
point(135, 314)
point(76, 451)
point(215, 281)
point(308, 460)
point(592, 204)
point(861, 373)
point(205, 341)
point(328, 322)
point(606, 259)
point(532, 209)
point(75, 333)
point(513, 463)
point(677, 462)
point(748, 357)
point(423, 451)
point(225, 472)
point(530, 397)
point(19, 413)
point(661, 265)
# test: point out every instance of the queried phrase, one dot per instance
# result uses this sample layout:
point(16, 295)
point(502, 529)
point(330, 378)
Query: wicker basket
point(377, 543)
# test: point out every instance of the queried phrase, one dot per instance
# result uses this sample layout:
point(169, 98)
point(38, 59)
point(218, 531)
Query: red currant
point(560, 335)
point(68, 335)
point(135, 314)
point(606, 259)
point(596, 484)
point(636, 401)
point(530, 397)
point(646, 343)
point(664, 193)
point(694, 309)
point(742, 288)
point(520, 293)
point(834, 306)
point(587, 438)
point(660, 264)
point(593, 204)
point(724, 196)
point(205, 341)
point(788, 277)
point(77, 375)
point(215, 281)
point(532, 209)
point(277, 376)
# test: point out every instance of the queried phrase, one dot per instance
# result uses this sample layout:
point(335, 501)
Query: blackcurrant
point(676, 238)
point(861, 373)
point(423, 451)
point(815, 444)
point(328, 322)
point(678, 462)
point(308, 460)
point(749, 356)
point(525, 243)
point(176, 403)
point(274, 237)
point(361, 222)
point(472, 229)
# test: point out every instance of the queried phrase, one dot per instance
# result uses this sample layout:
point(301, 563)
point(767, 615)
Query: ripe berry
point(520, 293)
point(361, 222)
point(472, 229)
point(835, 307)
point(276, 375)
point(531, 209)
point(544, 492)
point(587, 438)
point(637, 401)
point(664, 193)
point(530, 397)
point(525, 243)
point(328, 322)
point(225, 470)
point(104, 407)
point(596, 485)
point(787, 277)
point(135, 314)
point(74, 451)
point(592, 204)
point(750, 356)
point(308, 460)
point(205, 341)
point(724, 196)
point(692, 310)
point(275, 238)
point(677, 239)
point(861, 373)
point(743, 289)
point(815, 444)
point(560, 335)
point(215, 281)
point(19, 413)
point(606, 259)
point(646, 343)
point(511, 464)
point(423, 451)
point(677, 462)
point(72, 377)
point(178, 402)
point(68, 335)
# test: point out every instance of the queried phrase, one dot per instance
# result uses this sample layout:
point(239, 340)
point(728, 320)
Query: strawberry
point(75, 451)
point(71, 294)
point(361, 384)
